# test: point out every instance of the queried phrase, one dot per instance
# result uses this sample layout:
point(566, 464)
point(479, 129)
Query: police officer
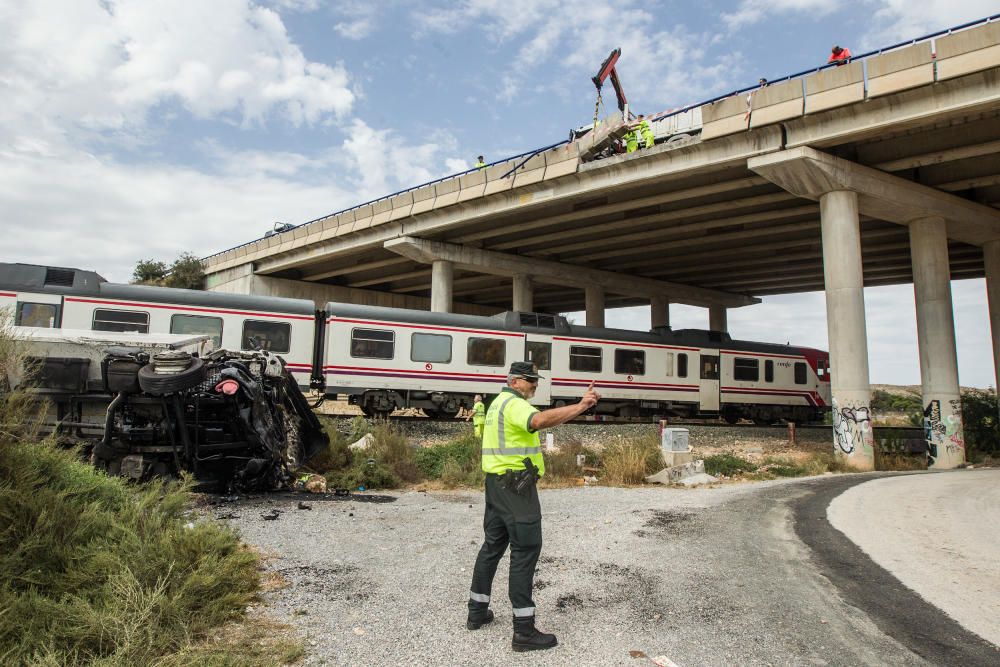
point(511, 451)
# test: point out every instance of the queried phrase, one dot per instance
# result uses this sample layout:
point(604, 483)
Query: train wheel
point(730, 414)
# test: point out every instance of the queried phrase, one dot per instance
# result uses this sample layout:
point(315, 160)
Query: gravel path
point(686, 574)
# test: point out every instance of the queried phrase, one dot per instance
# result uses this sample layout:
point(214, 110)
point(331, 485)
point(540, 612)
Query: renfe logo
point(428, 367)
point(784, 364)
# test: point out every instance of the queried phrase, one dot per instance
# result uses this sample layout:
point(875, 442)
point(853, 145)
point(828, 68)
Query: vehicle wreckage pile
point(234, 418)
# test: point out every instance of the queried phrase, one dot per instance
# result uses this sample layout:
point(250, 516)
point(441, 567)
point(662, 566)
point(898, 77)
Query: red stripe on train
point(193, 309)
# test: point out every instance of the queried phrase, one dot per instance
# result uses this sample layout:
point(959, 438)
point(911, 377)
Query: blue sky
point(137, 130)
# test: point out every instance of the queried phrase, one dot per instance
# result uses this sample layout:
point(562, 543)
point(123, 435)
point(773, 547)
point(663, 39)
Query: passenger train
point(382, 359)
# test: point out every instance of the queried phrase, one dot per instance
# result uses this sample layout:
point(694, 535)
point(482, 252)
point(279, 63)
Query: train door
point(39, 310)
point(708, 397)
point(538, 350)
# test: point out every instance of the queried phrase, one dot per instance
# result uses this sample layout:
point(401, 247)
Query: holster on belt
point(521, 481)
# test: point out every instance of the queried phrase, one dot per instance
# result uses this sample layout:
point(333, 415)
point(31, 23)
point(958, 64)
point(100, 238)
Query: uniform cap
point(524, 369)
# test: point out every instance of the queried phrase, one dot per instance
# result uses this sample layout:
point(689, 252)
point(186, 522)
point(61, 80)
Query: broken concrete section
point(693, 470)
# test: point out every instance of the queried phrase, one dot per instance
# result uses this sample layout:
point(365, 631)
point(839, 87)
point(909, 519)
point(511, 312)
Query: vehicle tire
point(161, 385)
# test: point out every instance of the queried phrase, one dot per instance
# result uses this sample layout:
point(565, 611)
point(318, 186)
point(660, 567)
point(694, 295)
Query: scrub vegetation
point(98, 570)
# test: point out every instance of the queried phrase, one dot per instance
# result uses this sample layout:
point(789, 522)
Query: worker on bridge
point(839, 55)
point(512, 461)
point(646, 131)
point(631, 141)
point(479, 163)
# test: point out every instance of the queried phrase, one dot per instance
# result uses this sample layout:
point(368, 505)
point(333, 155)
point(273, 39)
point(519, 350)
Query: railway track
point(624, 421)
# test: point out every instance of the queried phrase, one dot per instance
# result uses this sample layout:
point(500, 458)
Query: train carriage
point(53, 297)
point(388, 358)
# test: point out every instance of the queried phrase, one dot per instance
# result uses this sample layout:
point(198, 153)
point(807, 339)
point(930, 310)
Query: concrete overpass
point(882, 171)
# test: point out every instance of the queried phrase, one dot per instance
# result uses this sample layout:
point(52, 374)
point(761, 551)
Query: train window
point(430, 347)
point(800, 373)
point(486, 352)
point(682, 365)
point(585, 359)
point(373, 343)
point(271, 336)
point(540, 354)
point(198, 324)
point(121, 320)
point(709, 367)
point(42, 315)
point(630, 362)
point(670, 363)
point(768, 371)
point(746, 370)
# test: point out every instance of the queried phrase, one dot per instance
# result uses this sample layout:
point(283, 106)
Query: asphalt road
point(737, 575)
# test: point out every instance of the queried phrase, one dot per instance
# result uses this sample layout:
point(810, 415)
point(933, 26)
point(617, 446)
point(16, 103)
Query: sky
point(140, 130)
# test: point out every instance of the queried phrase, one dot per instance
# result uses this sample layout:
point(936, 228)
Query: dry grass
point(630, 461)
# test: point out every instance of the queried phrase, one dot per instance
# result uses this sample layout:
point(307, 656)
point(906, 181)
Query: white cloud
point(753, 11)
point(106, 66)
point(657, 64)
point(896, 20)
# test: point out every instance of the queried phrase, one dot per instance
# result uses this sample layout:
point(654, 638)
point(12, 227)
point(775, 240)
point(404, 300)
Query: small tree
point(149, 272)
point(980, 422)
point(186, 272)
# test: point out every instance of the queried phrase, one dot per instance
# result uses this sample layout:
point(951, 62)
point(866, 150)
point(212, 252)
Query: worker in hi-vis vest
point(479, 163)
point(631, 141)
point(478, 416)
point(512, 461)
point(646, 131)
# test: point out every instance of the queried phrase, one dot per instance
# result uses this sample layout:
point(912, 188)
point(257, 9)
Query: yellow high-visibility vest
point(478, 414)
point(507, 440)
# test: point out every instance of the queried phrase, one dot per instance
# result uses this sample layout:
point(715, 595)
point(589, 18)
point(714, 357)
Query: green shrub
point(630, 461)
point(360, 427)
point(465, 451)
point(93, 568)
point(390, 448)
point(561, 464)
point(728, 464)
point(364, 472)
point(336, 456)
point(980, 422)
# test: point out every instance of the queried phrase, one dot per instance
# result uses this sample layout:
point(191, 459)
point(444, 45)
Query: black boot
point(528, 638)
point(478, 620)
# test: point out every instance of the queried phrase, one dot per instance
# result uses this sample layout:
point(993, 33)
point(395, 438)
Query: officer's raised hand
point(590, 397)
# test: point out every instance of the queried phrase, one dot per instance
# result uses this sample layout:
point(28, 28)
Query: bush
point(364, 472)
point(390, 448)
point(630, 461)
point(560, 465)
point(93, 568)
point(336, 456)
point(455, 463)
point(980, 422)
point(727, 464)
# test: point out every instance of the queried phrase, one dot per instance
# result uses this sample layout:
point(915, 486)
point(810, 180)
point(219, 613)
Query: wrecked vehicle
point(148, 405)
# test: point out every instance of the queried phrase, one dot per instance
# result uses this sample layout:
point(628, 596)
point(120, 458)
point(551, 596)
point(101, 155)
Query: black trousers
point(514, 520)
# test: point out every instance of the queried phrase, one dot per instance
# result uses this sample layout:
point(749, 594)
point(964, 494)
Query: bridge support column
point(717, 320)
point(524, 293)
point(659, 312)
point(991, 260)
point(845, 315)
point(442, 284)
point(936, 339)
point(595, 306)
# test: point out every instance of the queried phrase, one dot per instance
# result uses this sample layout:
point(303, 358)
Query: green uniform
point(647, 133)
point(478, 418)
point(480, 165)
point(631, 141)
point(510, 519)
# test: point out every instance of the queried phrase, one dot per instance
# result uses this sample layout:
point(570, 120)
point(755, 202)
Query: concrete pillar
point(936, 338)
point(717, 318)
point(991, 259)
point(442, 284)
point(845, 315)
point(524, 293)
point(595, 306)
point(659, 312)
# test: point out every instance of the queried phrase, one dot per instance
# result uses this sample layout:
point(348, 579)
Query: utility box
point(674, 439)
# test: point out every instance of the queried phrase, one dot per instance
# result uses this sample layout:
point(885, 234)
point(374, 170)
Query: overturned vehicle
point(152, 405)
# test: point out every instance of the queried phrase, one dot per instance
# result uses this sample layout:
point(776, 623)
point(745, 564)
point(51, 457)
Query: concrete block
point(698, 480)
point(564, 168)
point(967, 63)
point(900, 70)
point(495, 181)
point(402, 206)
point(300, 232)
point(313, 238)
point(776, 103)
point(423, 200)
point(835, 87)
point(675, 474)
point(968, 51)
point(524, 177)
point(534, 162)
point(726, 116)
point(472, 185)
point(381, 211)
point(446, 192)
point(671, 459)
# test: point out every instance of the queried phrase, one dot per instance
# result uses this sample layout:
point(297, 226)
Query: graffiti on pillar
point(943, 431)
point(851, 427)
